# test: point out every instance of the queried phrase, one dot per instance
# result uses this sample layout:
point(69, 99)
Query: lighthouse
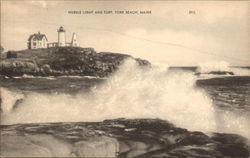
point(62, 40)
point(61, 37)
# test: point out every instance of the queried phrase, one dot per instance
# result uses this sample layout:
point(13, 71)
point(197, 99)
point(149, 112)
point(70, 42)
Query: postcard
point(125, 79)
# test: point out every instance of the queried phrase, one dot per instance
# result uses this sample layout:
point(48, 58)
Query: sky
point(176, 33)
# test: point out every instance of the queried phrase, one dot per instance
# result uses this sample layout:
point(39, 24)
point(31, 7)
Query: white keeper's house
point(39, 40)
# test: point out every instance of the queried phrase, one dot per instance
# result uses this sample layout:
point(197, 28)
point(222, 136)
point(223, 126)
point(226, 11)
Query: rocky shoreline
point(61, 61)
point(117, 138)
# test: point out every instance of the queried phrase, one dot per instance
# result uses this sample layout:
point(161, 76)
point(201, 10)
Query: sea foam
point(131, 92)
point(221, 66)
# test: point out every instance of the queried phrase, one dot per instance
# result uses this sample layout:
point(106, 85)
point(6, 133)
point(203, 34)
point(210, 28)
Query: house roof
point(37, 36)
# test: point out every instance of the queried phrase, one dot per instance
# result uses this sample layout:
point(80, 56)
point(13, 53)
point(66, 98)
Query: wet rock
point(195, 138)
point(120, 138)
point(233, 150)
point(231, 145)
point(100, 146)
point(228, 138)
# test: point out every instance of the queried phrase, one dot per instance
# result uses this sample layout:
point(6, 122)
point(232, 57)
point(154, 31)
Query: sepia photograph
point(125, 79)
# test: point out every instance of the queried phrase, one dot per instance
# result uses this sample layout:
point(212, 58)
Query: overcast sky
point(218, 31)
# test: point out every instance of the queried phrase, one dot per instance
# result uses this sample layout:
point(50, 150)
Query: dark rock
point(195, 138)
point(123, 137)
point(216, 73)
point(228, 138)
point(231, 145)
point(233, 150)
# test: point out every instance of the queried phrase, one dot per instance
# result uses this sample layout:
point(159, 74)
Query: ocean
point(207, 102)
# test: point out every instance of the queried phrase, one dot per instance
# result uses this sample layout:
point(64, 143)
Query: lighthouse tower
point(61, 37)
point(74, 42)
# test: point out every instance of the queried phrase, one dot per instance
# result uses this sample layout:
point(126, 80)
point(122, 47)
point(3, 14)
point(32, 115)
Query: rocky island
point(58, 61)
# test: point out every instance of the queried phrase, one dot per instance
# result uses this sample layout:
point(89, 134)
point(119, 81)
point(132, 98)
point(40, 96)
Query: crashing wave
point(9, 100)
point(221, 68)
point(131, 92)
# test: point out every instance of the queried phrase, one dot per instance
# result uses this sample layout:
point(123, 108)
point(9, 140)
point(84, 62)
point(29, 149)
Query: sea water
point(207, 103)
